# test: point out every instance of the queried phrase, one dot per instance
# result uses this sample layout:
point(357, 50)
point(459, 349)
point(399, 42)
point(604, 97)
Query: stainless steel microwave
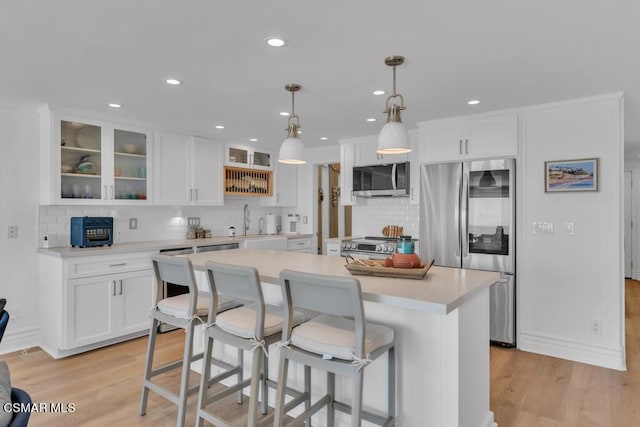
point(390, 180)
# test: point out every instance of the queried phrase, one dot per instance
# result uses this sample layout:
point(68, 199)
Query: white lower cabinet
point(92, 301)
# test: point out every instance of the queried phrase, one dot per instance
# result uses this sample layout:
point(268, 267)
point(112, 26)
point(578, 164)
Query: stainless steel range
point(369, 247)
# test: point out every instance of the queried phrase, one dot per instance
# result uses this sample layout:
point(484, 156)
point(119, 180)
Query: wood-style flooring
point(526, 389)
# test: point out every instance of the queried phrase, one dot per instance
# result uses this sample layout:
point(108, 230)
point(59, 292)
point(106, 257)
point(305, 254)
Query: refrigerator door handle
point(464, 212)
point(393, 175)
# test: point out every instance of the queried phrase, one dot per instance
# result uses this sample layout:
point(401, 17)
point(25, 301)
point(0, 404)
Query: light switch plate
point(193, 221)
point(568, 228)
point(133, 223)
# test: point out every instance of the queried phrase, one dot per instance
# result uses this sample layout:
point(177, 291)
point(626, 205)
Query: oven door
point(364, 255)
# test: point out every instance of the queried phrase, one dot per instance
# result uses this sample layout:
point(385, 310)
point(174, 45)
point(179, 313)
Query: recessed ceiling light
point(275, 41)
point(324, 138)
point(378, 92)
point(173, 81)
point(371, 119)
point(253, 139)
point(114, 105)
point(473, 102)
point(284, 113)
point(219, 127)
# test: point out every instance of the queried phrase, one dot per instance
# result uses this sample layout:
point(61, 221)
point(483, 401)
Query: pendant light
point(394, 138)
point(291, 150)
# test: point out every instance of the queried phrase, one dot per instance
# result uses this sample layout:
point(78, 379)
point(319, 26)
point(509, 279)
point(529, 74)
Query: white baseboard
point(571, 350)
point(489, 420)
point(21, 339)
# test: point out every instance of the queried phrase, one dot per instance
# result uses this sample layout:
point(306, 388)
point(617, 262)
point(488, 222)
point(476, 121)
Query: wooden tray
point(371, 267)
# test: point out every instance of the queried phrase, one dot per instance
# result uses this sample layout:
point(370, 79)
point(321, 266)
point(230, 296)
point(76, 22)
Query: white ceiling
point(83, 54)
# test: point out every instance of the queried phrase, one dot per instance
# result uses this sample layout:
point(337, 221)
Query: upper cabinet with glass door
point(86, 161)
point(248, 157)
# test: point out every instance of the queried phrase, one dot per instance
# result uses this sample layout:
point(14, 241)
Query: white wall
point(19, 193)
point(566, 282)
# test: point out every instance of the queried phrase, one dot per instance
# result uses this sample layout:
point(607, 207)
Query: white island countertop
point(441, 291)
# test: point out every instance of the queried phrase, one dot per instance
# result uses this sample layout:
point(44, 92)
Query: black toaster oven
point(89, 231)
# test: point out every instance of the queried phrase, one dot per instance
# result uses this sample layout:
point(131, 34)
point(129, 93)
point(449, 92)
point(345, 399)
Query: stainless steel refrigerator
point(467, 220)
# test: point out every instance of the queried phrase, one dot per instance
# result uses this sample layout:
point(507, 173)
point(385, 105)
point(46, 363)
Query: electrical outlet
point(12, 232)
point(193, 221)
point(596, 327)
point(542, 228)
point(133, 223)
point(568, 228)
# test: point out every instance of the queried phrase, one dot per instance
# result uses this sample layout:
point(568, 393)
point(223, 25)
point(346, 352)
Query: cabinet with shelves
point(248, 157)
point(474, 137)
point(346, 174)
point(187, 170)
point(85, 161)
point(92, 301)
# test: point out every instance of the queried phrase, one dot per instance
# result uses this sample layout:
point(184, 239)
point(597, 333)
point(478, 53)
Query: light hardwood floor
point(526, 389)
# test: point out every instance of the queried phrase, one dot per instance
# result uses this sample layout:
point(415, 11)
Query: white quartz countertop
point(157, 245)
point(441, 291)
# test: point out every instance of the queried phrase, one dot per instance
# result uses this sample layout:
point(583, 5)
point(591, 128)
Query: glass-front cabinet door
point(130, 165)
point(80, 160)
point(86, 161)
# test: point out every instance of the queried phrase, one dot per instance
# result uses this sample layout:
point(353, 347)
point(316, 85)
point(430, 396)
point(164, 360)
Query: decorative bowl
point(129, 148)
point(85, 167)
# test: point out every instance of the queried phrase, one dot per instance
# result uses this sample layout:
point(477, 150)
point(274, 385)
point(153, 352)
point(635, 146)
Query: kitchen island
point(442, 327)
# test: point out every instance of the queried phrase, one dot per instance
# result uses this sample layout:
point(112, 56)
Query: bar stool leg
point(265, 388)
point(240, 396)
point(255, 385)
point(186, 369)
point(356, 405)
point(148, 365)
point(391, 387)
point(331, 391)
point(307, 390)
point(204, 379)
point(280, 393)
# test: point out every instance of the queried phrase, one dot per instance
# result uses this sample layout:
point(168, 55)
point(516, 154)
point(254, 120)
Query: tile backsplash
point(370, 216)
point(153, 222)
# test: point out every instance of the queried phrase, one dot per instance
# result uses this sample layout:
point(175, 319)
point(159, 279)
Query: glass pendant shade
point(291, 152)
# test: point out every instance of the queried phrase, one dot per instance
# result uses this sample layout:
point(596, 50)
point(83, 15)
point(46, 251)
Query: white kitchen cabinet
point(346, 174)
point(366, 154)
point(285, 188)
point(188, 170)
point(473, 137)
point(92, 301)
point(248, 157)
point(86, 161)
point(300, 244)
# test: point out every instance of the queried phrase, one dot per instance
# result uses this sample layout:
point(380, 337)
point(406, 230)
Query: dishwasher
point(171, 289)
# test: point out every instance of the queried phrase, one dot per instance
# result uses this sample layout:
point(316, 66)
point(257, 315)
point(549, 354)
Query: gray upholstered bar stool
point(338, 342)
point(183, 311)
point(252, 327)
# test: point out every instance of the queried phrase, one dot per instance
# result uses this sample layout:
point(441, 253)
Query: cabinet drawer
point(99, 265)
point(299, 244)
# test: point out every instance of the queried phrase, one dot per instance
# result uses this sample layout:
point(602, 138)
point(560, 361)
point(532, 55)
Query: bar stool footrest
point(366, 415)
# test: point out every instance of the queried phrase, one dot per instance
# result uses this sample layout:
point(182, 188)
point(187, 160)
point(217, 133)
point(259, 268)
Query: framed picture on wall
point(571, 175)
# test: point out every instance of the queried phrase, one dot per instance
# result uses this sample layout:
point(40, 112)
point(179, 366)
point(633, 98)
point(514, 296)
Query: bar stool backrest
point(339, 296)
point(178, 271)
point(241, 283)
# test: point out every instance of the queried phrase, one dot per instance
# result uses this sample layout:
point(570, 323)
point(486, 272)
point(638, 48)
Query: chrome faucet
point(260, 225)
point(246, 220)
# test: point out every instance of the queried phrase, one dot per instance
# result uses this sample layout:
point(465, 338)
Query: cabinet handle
point(466, 146)
point(411, 193)
point(277, 197)
point(106, 194)
point(113, 288)
point(112, 192)
point(195, 191)
point(460, 147)
point(120, 264)
point(120, 293)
